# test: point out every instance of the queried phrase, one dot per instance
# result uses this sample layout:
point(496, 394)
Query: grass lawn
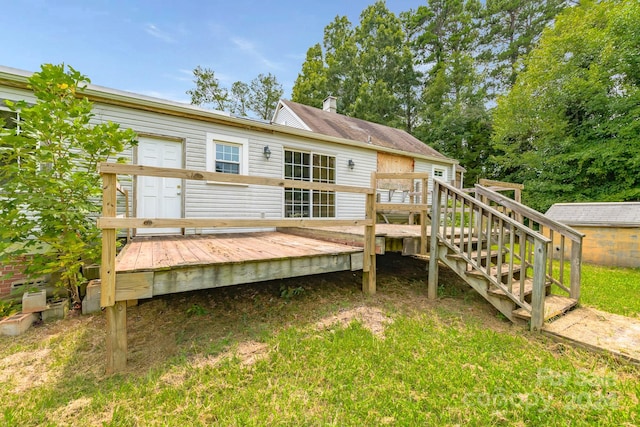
point(616, 290)
point(314, 352)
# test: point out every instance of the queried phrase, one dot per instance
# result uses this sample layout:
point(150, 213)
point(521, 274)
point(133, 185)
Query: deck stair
point(510, 254)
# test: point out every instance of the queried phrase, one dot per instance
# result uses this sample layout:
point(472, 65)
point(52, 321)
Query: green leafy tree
point(260, 96)
point(311, 87)
point(264, 93)
point(454, 118)
point(510, 30)
point(51, 191)
point(240, 92)
point(342, 70)
point(385, 64)
point(570, 127)
point(208, 90)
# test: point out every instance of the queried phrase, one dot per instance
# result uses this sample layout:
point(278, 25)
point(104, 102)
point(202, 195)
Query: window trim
point(214, 139)
point(443, 172)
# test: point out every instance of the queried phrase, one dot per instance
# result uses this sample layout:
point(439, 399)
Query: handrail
point(109, 223)
point(459, 221)
point(528, 212)
point(557, 232)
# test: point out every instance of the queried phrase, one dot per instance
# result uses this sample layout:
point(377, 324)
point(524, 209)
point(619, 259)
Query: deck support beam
point(369, 262)
point(432, 286)
point(116, 337)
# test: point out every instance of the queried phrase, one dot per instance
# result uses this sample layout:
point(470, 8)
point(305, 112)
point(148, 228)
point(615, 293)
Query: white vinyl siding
point(212, 200)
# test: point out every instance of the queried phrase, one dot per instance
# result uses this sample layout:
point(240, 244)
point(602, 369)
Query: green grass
point(449, 362)
point(616, 290)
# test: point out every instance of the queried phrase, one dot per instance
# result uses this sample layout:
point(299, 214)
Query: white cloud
point(154, 31)
point(249, 48)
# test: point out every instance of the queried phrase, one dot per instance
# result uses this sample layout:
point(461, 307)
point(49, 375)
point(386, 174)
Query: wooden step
point(493, 271)
point(474, 255)
point(528, 288)
point(554, 305)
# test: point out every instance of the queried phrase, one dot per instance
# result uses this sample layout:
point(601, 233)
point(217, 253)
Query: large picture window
point(301, 166)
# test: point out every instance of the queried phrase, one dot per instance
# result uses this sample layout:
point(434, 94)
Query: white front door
point(159, 197)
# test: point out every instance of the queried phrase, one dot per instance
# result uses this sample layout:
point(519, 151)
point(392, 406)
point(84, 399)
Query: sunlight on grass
point(616, 290)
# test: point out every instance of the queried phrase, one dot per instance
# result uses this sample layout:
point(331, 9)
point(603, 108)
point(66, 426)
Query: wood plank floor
point(164, 252)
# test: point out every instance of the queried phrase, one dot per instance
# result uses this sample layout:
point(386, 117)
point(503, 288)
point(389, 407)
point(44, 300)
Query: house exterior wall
point(610, 246)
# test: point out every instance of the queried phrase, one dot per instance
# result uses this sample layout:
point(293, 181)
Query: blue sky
point(151, 47)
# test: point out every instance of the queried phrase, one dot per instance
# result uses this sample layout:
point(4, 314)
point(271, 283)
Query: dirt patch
point(249, 352)
point(25, 369)
point(372, 318)
point(68, 414)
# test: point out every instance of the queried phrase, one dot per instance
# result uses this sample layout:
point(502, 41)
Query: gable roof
point(341, 126)
point(615, 214)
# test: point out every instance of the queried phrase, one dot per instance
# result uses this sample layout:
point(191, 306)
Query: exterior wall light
point(267, 152)
point(351, 164)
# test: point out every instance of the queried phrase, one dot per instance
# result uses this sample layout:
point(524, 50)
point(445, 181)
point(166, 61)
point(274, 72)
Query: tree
point(511, 29)
point(208, 90)
point(51, 190)
point(264, 93)
point(569, 129)
point(260, 96)
point(310, 87)
point(240, 98)
point(454, 118)
point(385, 65)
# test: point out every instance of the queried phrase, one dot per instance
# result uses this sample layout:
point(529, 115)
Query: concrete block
point(91, 301)
point(17, 324)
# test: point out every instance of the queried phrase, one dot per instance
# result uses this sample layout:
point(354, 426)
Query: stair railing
point(461, 222)
point(560, 234)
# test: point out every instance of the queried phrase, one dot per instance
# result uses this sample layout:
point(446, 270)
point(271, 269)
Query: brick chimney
point(330, 104)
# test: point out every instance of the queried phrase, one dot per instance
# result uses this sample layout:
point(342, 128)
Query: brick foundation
point(18, 276)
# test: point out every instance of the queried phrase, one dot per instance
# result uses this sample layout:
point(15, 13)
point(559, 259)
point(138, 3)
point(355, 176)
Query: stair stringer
point(478, 283)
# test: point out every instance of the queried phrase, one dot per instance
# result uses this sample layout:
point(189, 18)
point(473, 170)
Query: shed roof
point(614, 214)
point(341, 126)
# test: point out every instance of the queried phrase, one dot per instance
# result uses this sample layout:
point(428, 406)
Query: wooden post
point(116, 313)
point(539, 279)
point(423, 216)
point(432, 287)
point(369, 263)
point(576, 267)
point(116, 337)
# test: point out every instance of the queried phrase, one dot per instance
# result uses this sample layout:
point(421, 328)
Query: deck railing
point(110, 223)
point(514, 256)
point(559, 234)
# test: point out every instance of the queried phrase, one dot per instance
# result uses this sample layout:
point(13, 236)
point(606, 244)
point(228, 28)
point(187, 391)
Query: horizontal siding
point(202, 199)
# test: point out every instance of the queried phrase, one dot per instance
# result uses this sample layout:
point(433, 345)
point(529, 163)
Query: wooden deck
point(389, 237)
point(149, 266)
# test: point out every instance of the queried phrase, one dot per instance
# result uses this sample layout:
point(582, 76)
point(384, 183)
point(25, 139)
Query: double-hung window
point(227, 154)
point(304, 166)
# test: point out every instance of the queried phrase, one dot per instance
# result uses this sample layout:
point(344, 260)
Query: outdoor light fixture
point(266, 152)
point(351, 164)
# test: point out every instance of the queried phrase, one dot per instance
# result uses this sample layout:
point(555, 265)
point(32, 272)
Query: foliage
point(569, 127)
point(264, 94)
point(50, 185)
point(208, 89)
point(510, 29)
point(8, 308)
point(260, 96)
point(454, 118)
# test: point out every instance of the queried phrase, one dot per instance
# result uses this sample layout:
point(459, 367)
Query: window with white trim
point(303, 166)
point(439, 173)
point(227, 154)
